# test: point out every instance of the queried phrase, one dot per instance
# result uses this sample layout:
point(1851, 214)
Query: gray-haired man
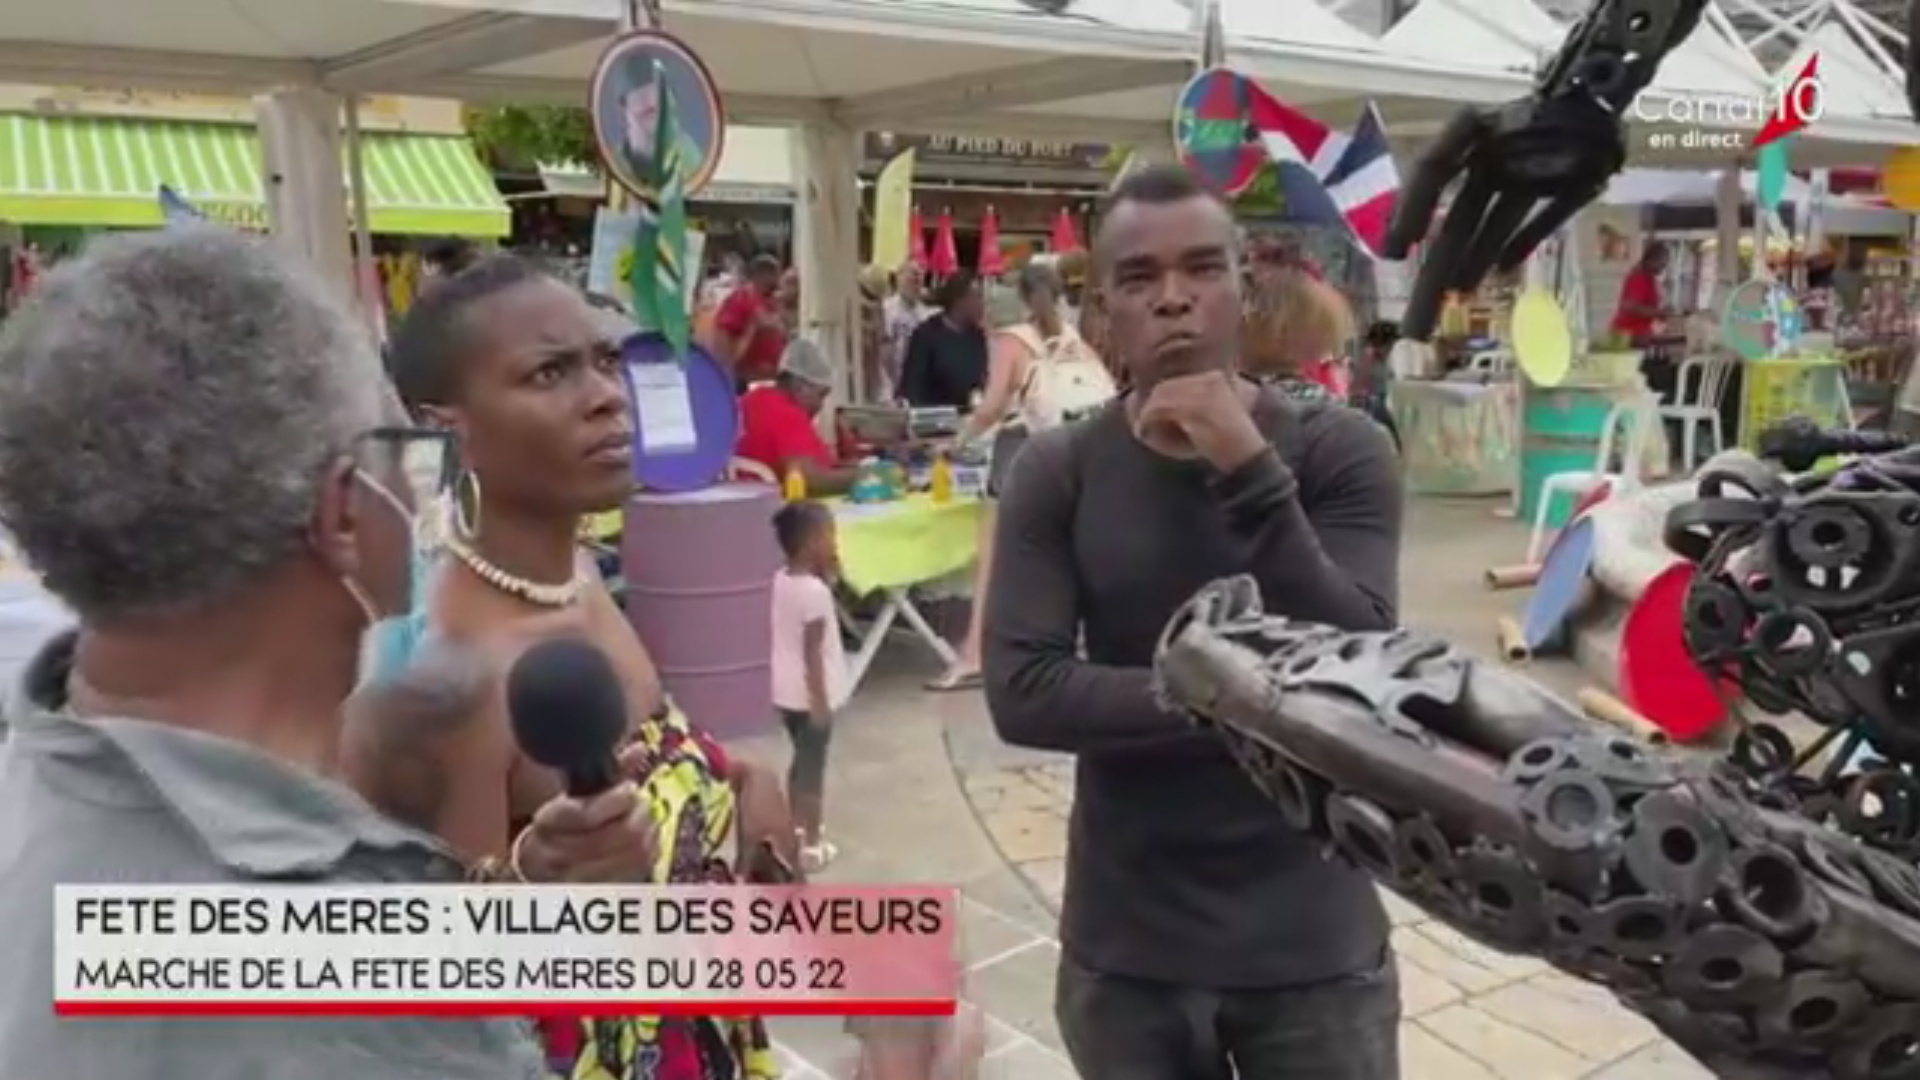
point(199, 455)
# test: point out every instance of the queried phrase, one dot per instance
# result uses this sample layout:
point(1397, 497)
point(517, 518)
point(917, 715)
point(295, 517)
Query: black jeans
point(1119, 1028)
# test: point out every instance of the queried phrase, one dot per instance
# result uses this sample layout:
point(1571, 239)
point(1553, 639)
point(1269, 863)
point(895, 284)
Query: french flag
point(1327, 176)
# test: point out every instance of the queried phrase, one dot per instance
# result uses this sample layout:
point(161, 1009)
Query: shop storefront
point(1025, 183)
point(106, 173)
point(76, 162)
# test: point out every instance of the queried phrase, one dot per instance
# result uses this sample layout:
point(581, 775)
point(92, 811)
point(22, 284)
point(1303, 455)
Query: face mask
point(388, 639)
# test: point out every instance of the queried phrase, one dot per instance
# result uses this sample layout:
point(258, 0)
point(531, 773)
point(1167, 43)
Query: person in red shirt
point(1640, 303)
point(776, 421)
point(750, 331)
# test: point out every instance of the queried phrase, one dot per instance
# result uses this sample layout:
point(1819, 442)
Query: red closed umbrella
point(946, 257)
point(917, 240)
point(992, 262)
point(1065, 237)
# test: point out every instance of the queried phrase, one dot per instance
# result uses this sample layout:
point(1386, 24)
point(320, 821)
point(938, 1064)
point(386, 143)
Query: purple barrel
point(699, 573)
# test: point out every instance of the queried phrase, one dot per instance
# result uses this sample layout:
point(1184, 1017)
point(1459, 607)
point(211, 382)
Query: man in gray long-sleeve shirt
point(1202, 938)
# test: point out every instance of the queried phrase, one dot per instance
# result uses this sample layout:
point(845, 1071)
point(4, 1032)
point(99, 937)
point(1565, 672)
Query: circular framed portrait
point(643, 79)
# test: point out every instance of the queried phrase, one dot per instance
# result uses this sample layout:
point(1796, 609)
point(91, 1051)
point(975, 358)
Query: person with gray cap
point(777, 421)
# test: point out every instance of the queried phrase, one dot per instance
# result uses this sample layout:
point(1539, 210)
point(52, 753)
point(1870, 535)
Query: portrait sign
point(649, 85)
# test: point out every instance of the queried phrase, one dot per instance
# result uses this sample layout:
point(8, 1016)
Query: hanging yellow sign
point(892, 211)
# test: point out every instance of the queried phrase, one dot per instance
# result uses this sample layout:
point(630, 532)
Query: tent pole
point(364, 275)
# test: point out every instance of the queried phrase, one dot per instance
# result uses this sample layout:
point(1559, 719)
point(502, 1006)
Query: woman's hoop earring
point(465, 500)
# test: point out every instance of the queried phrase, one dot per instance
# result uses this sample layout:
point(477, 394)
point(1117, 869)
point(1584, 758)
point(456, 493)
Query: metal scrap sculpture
point(1764, 914)
point(1528, 166)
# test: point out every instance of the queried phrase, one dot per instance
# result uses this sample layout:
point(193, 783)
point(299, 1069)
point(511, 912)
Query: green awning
point(96, 171)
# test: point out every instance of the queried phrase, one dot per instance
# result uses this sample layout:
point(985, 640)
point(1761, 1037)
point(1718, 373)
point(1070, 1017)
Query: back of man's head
point(956, 289)
point(169, 403)
point(451, 255)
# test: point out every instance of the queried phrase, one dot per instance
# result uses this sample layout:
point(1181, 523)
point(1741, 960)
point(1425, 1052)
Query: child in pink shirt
point(811, 681)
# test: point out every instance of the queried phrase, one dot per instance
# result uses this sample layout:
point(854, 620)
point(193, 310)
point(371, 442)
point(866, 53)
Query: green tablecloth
point(1457, 438)
point(1801, 386)
point(910, 542)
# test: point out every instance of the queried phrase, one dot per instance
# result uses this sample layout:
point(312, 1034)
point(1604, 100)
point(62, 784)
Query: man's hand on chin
point(1209, 412)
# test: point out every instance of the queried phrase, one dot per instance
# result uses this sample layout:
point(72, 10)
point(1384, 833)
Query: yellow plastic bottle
point(942, 479)
point(795, 486)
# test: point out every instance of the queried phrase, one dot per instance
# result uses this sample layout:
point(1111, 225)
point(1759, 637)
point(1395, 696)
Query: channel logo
point(1800, 102)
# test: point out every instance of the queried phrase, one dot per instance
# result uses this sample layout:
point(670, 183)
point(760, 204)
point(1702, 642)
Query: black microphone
point(569, 712)
point(1799, 443)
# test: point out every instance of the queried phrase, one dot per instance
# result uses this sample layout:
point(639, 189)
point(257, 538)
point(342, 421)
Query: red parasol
point(946, 258)
point(917, 240)
point(992, 262)
point(1065, 238)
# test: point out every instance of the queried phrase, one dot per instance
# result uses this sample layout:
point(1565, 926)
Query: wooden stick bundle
point(1613, 712)
point(1500, 578)
point(1513, 644)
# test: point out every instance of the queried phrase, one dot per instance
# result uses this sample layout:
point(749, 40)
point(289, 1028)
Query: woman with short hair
point(523, 369)
point(1297, 329)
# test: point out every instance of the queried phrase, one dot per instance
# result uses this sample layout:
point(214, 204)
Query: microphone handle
point(585, 779)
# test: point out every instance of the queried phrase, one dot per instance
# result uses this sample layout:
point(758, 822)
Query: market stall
point(890, 549)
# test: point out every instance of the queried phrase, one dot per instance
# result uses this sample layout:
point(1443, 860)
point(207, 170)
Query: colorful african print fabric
point(685, 785)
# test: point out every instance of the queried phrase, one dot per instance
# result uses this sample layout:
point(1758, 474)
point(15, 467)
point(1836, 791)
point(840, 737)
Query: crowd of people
point(299, 577)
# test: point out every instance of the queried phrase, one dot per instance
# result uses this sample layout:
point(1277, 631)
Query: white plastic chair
point(1638, 419)
point(1491, 362)
point(1707, 377)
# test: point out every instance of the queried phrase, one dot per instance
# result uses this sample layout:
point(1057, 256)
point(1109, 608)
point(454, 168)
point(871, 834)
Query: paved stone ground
point(922, 790)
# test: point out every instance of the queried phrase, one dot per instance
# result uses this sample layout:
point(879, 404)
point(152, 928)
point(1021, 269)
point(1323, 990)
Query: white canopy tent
point(1859, 87)
point(1304, 49)
point(1514, 36)
point(1685, 187)
point(830, 67)
point(1839, 214)
point(1698, 81)
point(1313, 59)
point(1507, 37)
point(1866, 109)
